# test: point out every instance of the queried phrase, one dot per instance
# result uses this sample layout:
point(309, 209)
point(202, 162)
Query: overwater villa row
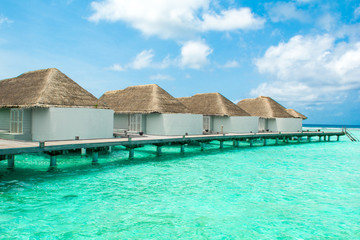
point(47, 105)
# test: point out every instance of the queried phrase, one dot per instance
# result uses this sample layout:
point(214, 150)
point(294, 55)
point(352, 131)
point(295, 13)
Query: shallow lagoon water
point(292, 191)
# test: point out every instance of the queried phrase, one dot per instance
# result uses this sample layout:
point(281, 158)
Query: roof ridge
point(46, 84)
point(221, 101)
point(154, 96)
point(267, 102)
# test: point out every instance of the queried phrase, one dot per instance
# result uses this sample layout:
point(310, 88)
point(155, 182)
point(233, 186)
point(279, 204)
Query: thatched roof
point(44, 88)
point(143, 99)
point(296, 114)
point(212, 104)
point(264, 107)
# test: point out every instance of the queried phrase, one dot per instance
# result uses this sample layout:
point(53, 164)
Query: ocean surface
point(290, 191)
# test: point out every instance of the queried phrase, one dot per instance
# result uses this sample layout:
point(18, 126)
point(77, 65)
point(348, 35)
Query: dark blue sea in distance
point(329, 126)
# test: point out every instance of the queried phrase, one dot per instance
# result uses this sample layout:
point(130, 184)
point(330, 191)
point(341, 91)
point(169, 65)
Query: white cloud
point(143, 59)
point(161, 77)
point(194, 54)
point(357, 13)
point(231, 20)
point(4, 20)
point(117, 68)
point(173, 19)
point(305, 1)
point(308, 69)
point(231, 64)
point(327, 21)
point(283, 11)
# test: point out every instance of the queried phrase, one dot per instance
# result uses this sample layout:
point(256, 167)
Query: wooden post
point(221, 144)
point(298, 139)
point(83, 151)
point(95, 156)
point(251, 142)
point(182, 148)
point(329, 138)
point(319, 138)
point(158, 150)
point(11, 162)
point(131, 153)
point(276, 141)
point(202, 147)
point(52, 161)
point(308, 138)
point(236, 143)
point(264, 141)
point(338, 137)
point(109, 149)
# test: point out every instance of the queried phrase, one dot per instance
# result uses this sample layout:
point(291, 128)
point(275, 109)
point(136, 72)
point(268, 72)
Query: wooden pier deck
point(10, 148)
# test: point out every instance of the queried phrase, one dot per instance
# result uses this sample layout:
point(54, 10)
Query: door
point(16, 120)
point(135, 122)
point(206, 123)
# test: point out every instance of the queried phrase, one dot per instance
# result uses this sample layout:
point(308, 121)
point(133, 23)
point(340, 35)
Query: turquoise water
point(293, 191)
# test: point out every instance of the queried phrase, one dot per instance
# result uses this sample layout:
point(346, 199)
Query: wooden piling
point(95, 156)
point(11, 162)
point(131, 153)
point(158, 150)
point(83, 151)
point(182, 148)
point(53, 161)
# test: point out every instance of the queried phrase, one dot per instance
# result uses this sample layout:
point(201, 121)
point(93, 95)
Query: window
point(206, 123)
point(16, 120)
point(135, 122)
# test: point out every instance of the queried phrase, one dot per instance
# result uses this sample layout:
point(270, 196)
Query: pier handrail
point(350, 135)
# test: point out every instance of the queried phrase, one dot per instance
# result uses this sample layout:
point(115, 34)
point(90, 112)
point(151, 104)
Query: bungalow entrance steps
point(10, 148)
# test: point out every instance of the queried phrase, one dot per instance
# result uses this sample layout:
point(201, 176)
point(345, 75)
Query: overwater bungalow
point(220, 115)
point(47, 105)
point(273, 116)
point(151, 110)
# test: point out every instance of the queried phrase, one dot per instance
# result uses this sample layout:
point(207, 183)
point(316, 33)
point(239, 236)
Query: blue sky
point(303, 53)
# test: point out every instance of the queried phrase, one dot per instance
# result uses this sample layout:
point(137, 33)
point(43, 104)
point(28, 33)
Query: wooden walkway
point(10, 148)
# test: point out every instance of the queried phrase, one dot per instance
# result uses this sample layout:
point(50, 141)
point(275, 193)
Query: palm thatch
point(296, 114)
point(143, 99)
point(264, 107)
point(213, 104)
point(44, 88)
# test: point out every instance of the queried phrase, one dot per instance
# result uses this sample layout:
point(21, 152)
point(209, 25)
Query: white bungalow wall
point(67, 123)
point(280, 124)
point(121, 121)
point(287, 124)
point(5, 119)
point(235, 124)
point(263, 122)
point(174, 124)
